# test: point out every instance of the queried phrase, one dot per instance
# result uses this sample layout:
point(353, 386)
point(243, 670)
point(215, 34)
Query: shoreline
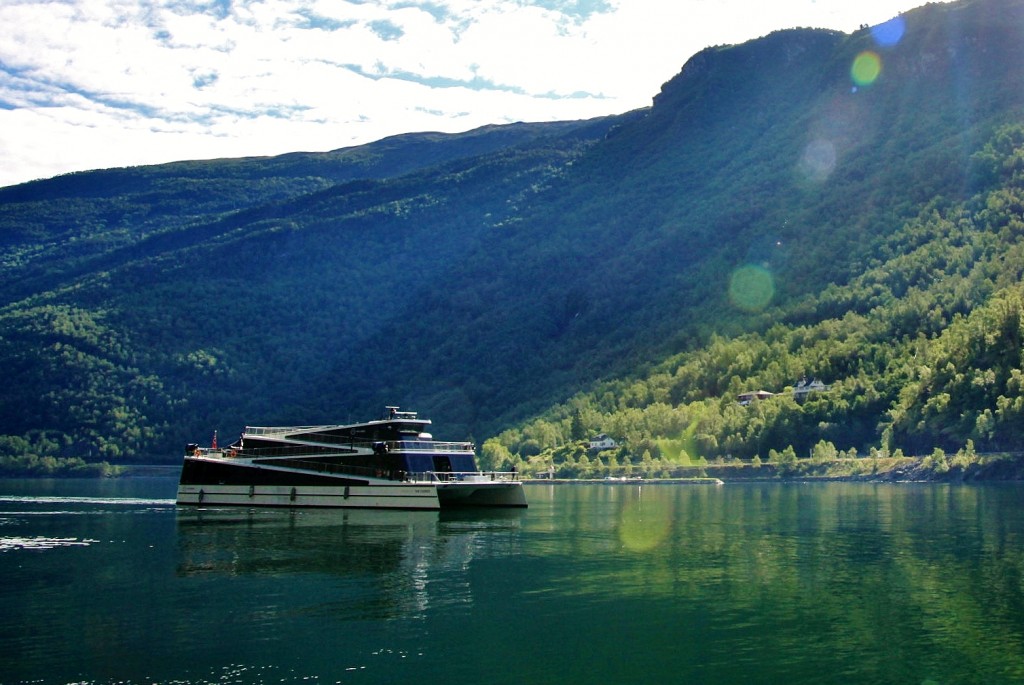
point(987, 469)
point(623, 481)
point(1003, 468)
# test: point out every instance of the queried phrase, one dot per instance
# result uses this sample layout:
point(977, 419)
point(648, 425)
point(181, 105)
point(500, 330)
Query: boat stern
point(481, 491)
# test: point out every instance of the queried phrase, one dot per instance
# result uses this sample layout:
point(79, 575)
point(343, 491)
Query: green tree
point(824, 452)
point(492, 454)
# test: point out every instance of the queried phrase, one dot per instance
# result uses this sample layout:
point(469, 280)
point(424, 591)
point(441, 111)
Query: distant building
point(804, 387)
point(602, 442)
point(746, 398)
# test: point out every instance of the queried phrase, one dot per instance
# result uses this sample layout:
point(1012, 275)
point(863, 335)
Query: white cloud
point(97, 83)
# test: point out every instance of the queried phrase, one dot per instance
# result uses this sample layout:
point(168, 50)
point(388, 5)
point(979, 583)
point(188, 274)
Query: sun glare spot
point(819, 160)
point(866, 68)
point(645, 525)
point(890, 33)
point(751, 288)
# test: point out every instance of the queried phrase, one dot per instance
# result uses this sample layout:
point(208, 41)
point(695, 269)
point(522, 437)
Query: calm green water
point(107, 582)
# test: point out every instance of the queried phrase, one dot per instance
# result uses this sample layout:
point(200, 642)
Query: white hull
point(421, 496)
point(390, 496)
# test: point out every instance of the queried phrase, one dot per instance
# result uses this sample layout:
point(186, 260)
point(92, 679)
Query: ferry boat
point(390, 463)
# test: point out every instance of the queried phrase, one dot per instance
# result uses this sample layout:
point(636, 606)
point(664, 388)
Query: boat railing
point(414, 446)
point(265, 452)
point(463, 477)
point(279, 430)
point(431, 446)
point(417, 446)
point(291, 457)
point(330, 447)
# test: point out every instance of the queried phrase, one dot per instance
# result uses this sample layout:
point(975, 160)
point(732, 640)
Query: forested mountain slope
point(56, 230)
point(168, 299)
point(920, 352)
point(787, 207)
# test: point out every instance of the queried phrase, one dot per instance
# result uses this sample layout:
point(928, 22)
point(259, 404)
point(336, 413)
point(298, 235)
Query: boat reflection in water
point(353, 564)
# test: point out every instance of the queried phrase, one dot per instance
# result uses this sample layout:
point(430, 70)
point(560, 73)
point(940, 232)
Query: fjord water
point(109, 582)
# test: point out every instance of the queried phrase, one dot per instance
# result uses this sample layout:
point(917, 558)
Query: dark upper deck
point(396, 426)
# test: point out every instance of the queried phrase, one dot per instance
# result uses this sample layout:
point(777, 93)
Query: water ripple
point(125, 501)
point(40, 542)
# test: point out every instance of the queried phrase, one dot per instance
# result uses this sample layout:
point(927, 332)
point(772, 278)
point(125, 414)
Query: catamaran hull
point(397, 496)
point(411, 496)
point(453, 495)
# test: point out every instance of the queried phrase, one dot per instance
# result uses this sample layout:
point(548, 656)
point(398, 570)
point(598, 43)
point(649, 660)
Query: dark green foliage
point(923, 352)
point(763, 222)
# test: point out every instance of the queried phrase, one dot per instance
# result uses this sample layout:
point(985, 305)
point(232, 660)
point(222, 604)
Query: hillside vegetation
point(922, 351)
point(781, 212)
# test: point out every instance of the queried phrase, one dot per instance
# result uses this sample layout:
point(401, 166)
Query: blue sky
point(88, 84)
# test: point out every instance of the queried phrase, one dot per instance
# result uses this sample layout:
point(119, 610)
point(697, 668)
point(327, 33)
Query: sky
point(88, 84)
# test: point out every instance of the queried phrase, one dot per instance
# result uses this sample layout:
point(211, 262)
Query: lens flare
point(819, 160)
point(645, 524)
point(890, 33)
point(866, 68)
point(751, 288)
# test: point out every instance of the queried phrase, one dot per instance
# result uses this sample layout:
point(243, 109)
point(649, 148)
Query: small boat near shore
point(390, 463)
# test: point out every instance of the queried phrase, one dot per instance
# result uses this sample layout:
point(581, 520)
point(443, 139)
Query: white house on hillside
point(805, 387)
point(602, 442)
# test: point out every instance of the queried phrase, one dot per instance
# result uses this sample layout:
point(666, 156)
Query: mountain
point(575, 271)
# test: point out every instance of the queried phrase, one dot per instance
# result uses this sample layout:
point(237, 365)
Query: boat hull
point(389, 496)
point(484, 494)
point(409, 496)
